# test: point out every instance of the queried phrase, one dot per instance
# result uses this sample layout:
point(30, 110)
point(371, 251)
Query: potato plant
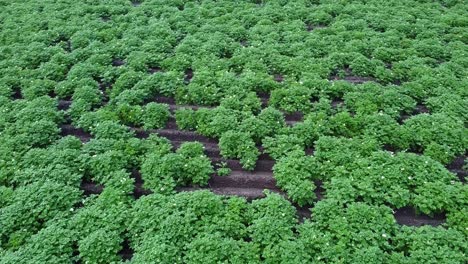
point(163, 170)
point(239, 145)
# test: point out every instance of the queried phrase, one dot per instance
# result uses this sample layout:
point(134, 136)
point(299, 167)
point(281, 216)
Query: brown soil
point(457, 167)
point(17, 94)
point(310, 27)
point(165, 100)
point(408, 216)
point(64, 104)
point(69, 130)
point(156, 69)
point(278, 78)
point(117, 62)
point(295, 116)
point(350, 77)
point(244, 179)
point(126, 253)
point(188, 76)
point(337, 103)
point(264, 98)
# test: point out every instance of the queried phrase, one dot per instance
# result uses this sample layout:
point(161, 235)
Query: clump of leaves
point(223, 170)
point(31, 207)
point(163, 170)
point(155, 115)
point(239, 145)
point(293, 99)
point(295, 174)
point(439, 136)
point(186, 119)
point(280, 145)
point(101, 246)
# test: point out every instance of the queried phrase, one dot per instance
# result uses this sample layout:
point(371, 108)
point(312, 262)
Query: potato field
point(234, 131)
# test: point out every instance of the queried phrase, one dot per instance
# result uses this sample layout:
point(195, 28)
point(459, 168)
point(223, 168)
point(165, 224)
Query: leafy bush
point(111, 59)
point(104, 212)
point(280, 145)
point(215, 122)
point(155, 115)
point(295, 173)
point(100, 246)
point(52, 244)
point(242, 102)
point(333, 225)
point(400, 180)
point(111, 130)
point(213, 248)
point(186, 119)
point(31, 207)
point(446, 245)
point(268, 122)
point(439, 136)
point(292, 99)
point(162, 171)
point(131, 115)
point(177, 219)
point(385, 130)
point(373, 98)
point(239, 145)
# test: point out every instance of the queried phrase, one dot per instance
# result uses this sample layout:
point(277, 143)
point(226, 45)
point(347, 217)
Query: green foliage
point(402, 180)
point(162, 171)
point(223, 170)
point(292, 99)
point(176, 220)
point(385, 130)
point(452, 105)
point(373, 98)
point(155, 115)
point(214, 122)
point(111, 130)
point(31, 207)
point(52, 244)
point(431, 245)
point(5, 195)
point(439, 136)
point(213, 248)
point(107, 211)
point(342, 124)
point(239, 145)
point(359, 72)
point(101, 246)
point(280, 145)
point(240, 102)
point(267, 123)
point(295, 173)
point(308, 131)
point(186, 119)
point(334, 226)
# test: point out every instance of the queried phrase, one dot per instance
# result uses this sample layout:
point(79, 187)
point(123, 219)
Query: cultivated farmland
point(176, 131)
